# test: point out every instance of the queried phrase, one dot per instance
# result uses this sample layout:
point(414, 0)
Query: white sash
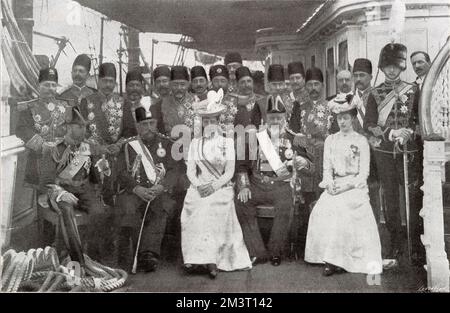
point(146, 158)
point(77, 162)
point(270, 153)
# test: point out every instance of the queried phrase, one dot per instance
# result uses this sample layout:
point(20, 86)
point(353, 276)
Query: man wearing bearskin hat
point(80, 73)
point(41, 122)
point(391, 120)
point(265, 179)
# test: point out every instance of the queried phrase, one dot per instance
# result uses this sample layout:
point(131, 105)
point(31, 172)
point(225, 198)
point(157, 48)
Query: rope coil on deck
point(40, 270)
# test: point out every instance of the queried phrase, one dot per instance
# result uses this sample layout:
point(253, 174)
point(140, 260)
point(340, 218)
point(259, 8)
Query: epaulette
point(23, 105)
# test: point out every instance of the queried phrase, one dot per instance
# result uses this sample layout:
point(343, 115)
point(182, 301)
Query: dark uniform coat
point(40, 122)
point(390, 107)
point(267, 189)
point(131, 173)
point(76, 93)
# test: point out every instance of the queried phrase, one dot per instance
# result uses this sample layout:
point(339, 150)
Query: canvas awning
point(217, 26)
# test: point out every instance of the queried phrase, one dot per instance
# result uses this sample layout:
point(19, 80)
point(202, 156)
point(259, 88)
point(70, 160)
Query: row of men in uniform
point(114, 132)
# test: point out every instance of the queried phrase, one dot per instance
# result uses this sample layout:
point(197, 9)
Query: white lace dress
point(342, 228)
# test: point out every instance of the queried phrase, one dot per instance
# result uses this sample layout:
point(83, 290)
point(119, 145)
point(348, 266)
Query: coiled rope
point(40, 270)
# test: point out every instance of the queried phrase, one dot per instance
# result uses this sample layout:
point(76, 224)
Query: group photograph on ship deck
point(225, 146)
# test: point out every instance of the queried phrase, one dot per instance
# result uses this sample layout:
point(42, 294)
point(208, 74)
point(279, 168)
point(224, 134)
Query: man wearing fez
point(80, 73)
point(421, 63)
point(109, 124)
point(199, 82)
point(219, 77)
point(41, 122)
point(147, 176)
point(134, 87)
point(68, 177)
point(267, 181)
point(277, 87)
point(310, 124)
point(296, 73)
point(246, 107)
point(177, 108)
point(233, 61)
point(392, 121)
point(161, 79)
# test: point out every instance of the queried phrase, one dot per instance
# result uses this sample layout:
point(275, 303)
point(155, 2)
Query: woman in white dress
point(342, 232)
point(211, 235)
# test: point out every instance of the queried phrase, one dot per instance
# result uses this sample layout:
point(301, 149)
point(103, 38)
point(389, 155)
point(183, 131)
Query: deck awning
point(217, 26)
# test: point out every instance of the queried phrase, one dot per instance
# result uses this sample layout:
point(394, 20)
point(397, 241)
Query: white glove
point(67, 197)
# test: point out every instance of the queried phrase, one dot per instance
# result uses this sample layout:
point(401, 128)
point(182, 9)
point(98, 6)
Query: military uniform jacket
point(174, 113)
point(76, 93)
point(108, 119)
point(313, 120)
point(131, 172)
point(243, 110)
point(389, 109)
point(257, 169)
point(40, 121)
point(68, 166)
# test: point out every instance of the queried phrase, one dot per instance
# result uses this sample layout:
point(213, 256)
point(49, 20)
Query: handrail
point(425, 105)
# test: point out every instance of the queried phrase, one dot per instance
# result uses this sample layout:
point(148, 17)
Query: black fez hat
point(83, 60)
point(74, 117)
point(242, 72)
point(275, 73)
point(362, 65)
point(179, 72)
point(393, 54)
point(142, 114)
point(296, 68)
point(161, 71)
point(107, 70)
point(275, 104)
point(198, 71)
point(314, 73)
point(48, 74)
point(218, 70)
point(134, 74)
point(233, 57)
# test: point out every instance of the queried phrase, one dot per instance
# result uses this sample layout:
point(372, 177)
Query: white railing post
point(433, 217)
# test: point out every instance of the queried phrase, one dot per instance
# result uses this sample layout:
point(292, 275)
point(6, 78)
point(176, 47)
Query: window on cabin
point(330, 71)
point(343, 56)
